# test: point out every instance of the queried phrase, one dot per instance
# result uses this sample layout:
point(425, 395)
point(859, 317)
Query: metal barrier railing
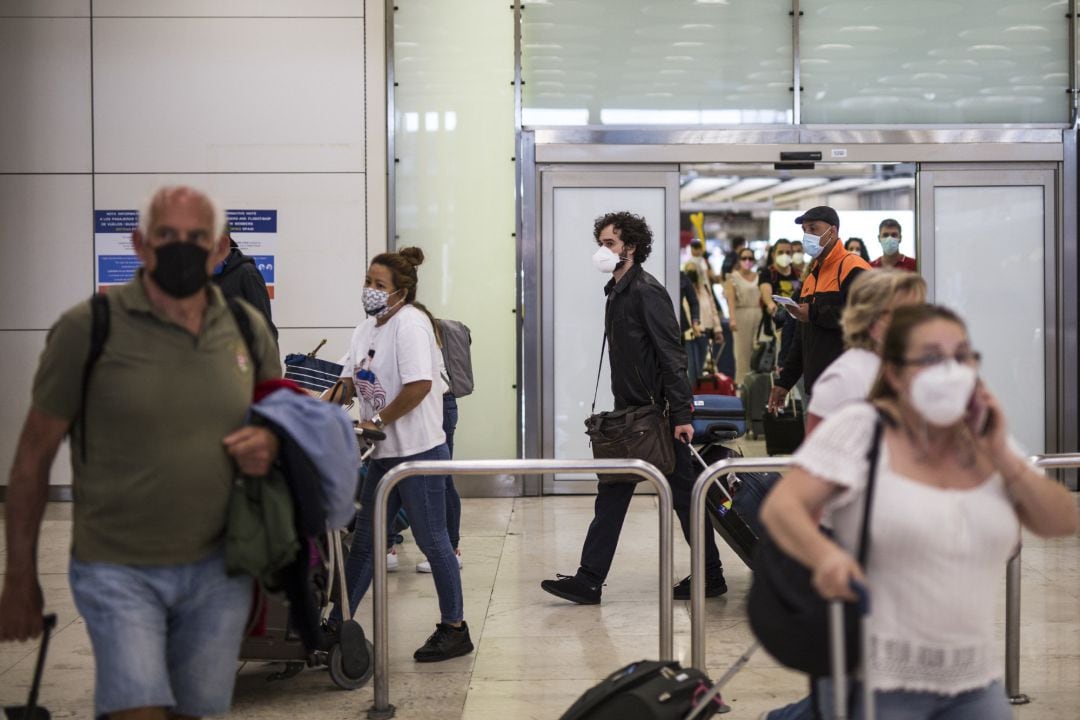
point(697, 562)
point(1066, 461)
point(697, 540)
point(382, 708)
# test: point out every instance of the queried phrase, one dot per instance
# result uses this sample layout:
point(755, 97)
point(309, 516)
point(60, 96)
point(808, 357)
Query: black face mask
point(181, 269)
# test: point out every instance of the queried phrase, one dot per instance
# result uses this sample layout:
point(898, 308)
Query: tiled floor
point(534, 654)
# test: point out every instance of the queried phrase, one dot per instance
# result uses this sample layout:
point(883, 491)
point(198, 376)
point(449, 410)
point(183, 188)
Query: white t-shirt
point(383, 359)
point(935, 562)
point(848, 379)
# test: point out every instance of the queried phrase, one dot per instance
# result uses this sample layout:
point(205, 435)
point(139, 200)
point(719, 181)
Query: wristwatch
point(377, 421)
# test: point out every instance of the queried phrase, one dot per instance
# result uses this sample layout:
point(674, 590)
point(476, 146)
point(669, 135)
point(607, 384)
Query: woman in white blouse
point(951, 494)
point(873, 298)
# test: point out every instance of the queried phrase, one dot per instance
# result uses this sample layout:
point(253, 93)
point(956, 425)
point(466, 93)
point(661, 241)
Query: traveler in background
point(393, 369)
point(647, 365)
point(824, 294)
point(690, 324)
point(889, 236)
point(731, 260)
point(711, 323)
point(155, 449)
point(950, 495)
point(779, 278)
point(744, 306)
point(874, 297)
point(857, 246)
point(238, 276)
point(798, 257)
point(700, 258)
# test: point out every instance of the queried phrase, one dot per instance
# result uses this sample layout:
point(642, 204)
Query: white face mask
point(811, 244)
point(782, 261)
point(941, 393)
point(797, 258)
point(605, 260)
point(375, 301)
point(890, 245)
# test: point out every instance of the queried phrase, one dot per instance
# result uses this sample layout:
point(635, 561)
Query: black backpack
point(99, 333)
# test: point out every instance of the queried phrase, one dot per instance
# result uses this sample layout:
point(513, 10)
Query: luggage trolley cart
point(346, 652)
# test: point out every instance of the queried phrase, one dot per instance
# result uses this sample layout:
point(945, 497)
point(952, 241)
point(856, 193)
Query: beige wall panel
point(46, 250)
point(45, 86)
point(229, 95)
point(228, 8)
point(20, 351)
point(44, 8)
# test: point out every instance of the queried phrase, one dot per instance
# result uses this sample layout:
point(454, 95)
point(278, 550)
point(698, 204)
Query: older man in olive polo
point(164, 430)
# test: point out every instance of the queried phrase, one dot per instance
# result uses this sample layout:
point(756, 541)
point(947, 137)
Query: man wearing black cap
point(832, 270)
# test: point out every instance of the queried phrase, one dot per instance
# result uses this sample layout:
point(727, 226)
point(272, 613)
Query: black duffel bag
point(646, 690)
point(788, 616)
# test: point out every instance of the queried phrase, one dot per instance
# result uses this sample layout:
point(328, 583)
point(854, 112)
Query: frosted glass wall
point(454, 122)
point(927, 61)
point(643, 62)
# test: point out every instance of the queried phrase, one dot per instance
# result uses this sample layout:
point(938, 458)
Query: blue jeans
point(988, 703)
point(424, 499)
point(163, 636)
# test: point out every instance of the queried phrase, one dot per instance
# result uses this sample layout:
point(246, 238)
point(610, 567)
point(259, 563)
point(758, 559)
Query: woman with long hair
point(951, 494)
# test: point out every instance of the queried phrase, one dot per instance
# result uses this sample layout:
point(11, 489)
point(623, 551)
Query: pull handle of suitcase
point(838, 655)
point(696, 454)
point(31, 711)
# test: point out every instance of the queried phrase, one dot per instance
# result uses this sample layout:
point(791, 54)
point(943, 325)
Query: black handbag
point(640, 432)
point(787, 615)
point(784, 430)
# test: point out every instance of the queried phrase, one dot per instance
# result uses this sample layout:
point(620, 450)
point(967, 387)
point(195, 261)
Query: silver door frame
point(932, 176)
point(538, 269)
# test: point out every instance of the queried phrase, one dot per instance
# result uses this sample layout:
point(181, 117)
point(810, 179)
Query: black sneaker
point(573, 588)
point(445, 643)
point(714, 587)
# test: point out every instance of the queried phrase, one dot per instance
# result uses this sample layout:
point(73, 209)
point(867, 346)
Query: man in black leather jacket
point(648, 364)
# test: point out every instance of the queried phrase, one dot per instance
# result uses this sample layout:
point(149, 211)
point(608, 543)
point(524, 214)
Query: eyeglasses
point(964, 357)
point(746, 257)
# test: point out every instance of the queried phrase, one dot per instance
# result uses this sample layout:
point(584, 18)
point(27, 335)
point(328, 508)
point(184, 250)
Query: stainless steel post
point(1012, 631)
point(382, 708)
point(697, 540)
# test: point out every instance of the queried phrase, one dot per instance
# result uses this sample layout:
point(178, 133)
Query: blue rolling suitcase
point(718, 418)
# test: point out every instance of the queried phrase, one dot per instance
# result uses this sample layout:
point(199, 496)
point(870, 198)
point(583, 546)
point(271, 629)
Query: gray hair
point(148, 208)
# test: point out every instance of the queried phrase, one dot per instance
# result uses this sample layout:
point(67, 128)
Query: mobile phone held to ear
point(978, 415)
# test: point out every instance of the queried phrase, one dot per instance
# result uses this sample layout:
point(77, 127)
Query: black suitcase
point(755, 396)
point(784, 431)
point(736, 521)
point(646, 690)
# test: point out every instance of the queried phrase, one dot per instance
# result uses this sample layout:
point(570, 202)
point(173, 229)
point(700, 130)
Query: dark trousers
point(612, 502)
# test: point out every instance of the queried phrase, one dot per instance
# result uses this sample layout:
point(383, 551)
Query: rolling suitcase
point(755, 396)
point(718, 418)
point(649, 690)
point(785, 430)
point(31, 710)
point(726, 519)
point(714, 384)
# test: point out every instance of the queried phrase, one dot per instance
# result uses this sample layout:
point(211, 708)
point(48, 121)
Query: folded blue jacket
point(324, 432)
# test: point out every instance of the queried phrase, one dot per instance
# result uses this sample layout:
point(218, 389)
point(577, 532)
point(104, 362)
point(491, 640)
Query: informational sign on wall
point(254, 231)
point(115, 258)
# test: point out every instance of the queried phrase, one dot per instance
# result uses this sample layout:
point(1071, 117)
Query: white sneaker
point(425, 567)
point(392, 562)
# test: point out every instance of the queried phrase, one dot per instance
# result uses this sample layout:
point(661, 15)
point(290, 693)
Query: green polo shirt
point(155, 484)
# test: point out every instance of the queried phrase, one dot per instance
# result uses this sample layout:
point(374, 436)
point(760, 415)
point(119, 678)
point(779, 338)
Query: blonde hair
point(871, 295)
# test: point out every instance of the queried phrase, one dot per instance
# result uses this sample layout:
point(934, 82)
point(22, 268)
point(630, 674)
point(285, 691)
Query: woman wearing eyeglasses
point(744, 310)
point(951, 493)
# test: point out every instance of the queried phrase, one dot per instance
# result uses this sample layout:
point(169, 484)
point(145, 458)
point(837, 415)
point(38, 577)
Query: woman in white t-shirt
point(873, 298)
point(950, 496)
point(393, 370)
